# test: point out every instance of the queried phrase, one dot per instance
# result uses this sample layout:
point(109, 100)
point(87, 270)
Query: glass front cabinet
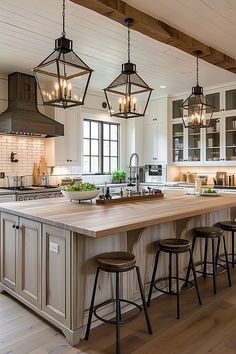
point(215, 145)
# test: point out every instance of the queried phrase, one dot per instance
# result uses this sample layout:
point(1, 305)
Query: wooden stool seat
point(174, 244)
point(208, 231)
point(228, 225)
point(116, 261)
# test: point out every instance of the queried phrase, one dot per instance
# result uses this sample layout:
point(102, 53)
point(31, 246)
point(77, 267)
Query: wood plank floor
point(210, 328)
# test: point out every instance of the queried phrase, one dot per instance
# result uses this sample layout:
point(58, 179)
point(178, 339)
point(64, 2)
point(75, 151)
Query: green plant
point(119, 175)
point(79, 187)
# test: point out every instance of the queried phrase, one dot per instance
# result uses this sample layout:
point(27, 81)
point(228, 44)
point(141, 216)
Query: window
point(100, 147)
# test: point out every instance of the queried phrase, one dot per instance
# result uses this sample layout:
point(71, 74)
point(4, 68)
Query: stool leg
point(213, 264)
point(143, 300)
point(195, 277)
point(92, 305)
point(217, 251)
point(189, 265)
point(170, 273)
point(153, 278)
point(227, 262)
point(205, 259)
point(232, 249)
point(177, 284)
point(117, 313)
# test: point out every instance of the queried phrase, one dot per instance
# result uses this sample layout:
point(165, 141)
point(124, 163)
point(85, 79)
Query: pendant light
point(63, 77)
point(128, 95)
point(197, 110)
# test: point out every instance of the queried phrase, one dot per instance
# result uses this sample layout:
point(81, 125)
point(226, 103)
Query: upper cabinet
point(215, 145)
point(66, 150)
point(155, 132)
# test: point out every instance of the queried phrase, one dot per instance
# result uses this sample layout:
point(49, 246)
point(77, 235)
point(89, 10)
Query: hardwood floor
point(210, 328)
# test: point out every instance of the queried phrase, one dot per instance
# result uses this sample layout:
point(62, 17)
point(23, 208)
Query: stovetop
point(31, 189)
point(18, 188)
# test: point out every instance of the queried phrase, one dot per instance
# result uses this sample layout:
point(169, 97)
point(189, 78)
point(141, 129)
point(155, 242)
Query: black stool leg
point(232, 249)
point(217, 251)
point(143, 300)
point(170, 273)
point(205, 259)
point(153, 278)
point(227, 262)
point(92, 305)
point(189, 265)
point(177, 284)
point(213, 264)
point(117, 313)
point(195, 277)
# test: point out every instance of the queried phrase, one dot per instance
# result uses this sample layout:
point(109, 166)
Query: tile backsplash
point(28, 150)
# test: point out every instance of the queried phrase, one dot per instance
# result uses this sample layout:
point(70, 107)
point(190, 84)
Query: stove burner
point(17, 188)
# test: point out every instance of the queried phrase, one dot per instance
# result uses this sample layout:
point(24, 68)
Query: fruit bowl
point(80, 195)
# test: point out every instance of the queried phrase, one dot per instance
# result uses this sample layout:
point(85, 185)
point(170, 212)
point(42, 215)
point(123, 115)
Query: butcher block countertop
point(104, 220)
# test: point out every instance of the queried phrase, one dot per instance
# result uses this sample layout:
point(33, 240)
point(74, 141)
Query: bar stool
point(176, 247)
point(211, 233)
point(231, 227)
point(117, 262)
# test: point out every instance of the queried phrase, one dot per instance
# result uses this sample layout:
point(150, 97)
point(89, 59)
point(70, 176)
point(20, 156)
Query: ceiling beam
point(118, 10)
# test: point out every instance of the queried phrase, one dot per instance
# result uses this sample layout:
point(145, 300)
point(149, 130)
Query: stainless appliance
point(155, 173)
point(22, 116)
point(31, 193)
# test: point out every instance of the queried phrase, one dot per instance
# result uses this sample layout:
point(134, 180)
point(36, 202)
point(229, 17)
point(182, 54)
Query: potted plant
point(119, 176)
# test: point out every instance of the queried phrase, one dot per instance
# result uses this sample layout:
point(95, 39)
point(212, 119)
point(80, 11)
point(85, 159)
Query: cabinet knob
point(13, 226)
point(17, 227)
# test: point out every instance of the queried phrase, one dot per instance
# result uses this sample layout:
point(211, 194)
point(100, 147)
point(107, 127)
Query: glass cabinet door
point(230, 138)
point(178, 142)
point(176, 109)
point(214, 99)
point(213, 140)
point(230, 100)
point(194, 144)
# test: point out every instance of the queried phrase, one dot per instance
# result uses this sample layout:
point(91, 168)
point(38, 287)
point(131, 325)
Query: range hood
point(22, 116)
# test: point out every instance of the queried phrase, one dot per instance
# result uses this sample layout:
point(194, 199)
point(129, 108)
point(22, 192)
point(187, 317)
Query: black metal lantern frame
point(128, 95)
point(197, 110)
point(63, 77)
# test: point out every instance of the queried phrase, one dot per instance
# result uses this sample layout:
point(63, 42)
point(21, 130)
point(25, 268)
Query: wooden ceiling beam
point(118, 10)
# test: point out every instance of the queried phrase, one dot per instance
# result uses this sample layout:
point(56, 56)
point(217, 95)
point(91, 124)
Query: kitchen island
point(48, 248)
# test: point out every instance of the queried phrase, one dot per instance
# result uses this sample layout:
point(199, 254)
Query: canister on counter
point(231, 180)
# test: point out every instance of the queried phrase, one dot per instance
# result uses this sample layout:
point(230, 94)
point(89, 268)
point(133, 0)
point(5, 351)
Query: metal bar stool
point(231, 227)
point(117, 262)
point(211, 233)
point(176, 247)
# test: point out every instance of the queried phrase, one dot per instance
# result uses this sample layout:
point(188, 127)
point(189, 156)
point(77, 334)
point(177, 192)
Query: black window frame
point(100, 146)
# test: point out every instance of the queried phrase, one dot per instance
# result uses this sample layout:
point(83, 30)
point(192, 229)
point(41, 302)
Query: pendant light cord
point(197, 69)
point(63, 18)
point(128, 42)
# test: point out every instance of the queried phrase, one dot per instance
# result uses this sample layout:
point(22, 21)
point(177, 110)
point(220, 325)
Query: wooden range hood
point(118, 10)
point(22, 116)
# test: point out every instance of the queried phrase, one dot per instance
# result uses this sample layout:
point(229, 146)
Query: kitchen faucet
point(134, 155)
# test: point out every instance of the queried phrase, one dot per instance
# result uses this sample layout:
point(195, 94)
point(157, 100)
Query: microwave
point(155, 173)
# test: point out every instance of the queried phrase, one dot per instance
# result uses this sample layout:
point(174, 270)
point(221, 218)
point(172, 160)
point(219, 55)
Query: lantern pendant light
point(63, 77)
point(197, 110)
point(128, 95)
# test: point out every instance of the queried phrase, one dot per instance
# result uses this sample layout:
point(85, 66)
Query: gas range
point(33, 193)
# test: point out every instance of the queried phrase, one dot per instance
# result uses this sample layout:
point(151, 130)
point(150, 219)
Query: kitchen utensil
point(42, 166)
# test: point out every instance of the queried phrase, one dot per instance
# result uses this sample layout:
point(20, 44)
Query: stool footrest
point(112, 301)
point(181, 292)
point(207, 273)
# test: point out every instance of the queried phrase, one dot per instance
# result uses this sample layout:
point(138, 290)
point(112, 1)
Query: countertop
point(103, 220)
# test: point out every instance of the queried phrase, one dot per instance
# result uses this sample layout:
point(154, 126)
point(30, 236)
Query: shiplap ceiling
point(28, 29)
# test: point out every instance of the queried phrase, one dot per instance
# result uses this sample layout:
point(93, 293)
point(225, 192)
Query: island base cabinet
point(9, 247)
point(56, 274)
point(29, 264)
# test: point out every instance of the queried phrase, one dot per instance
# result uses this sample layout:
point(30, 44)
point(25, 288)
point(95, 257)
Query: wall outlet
point(53, 247)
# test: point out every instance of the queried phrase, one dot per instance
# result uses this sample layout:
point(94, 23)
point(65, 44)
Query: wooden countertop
point(103, 220)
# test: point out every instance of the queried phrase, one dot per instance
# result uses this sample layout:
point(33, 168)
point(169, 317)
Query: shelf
point(213, 147)
point(213, 132)
point(194, 148)
point(178, 149)
point(231, 146)
point(231, 131)
point(194, 133)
